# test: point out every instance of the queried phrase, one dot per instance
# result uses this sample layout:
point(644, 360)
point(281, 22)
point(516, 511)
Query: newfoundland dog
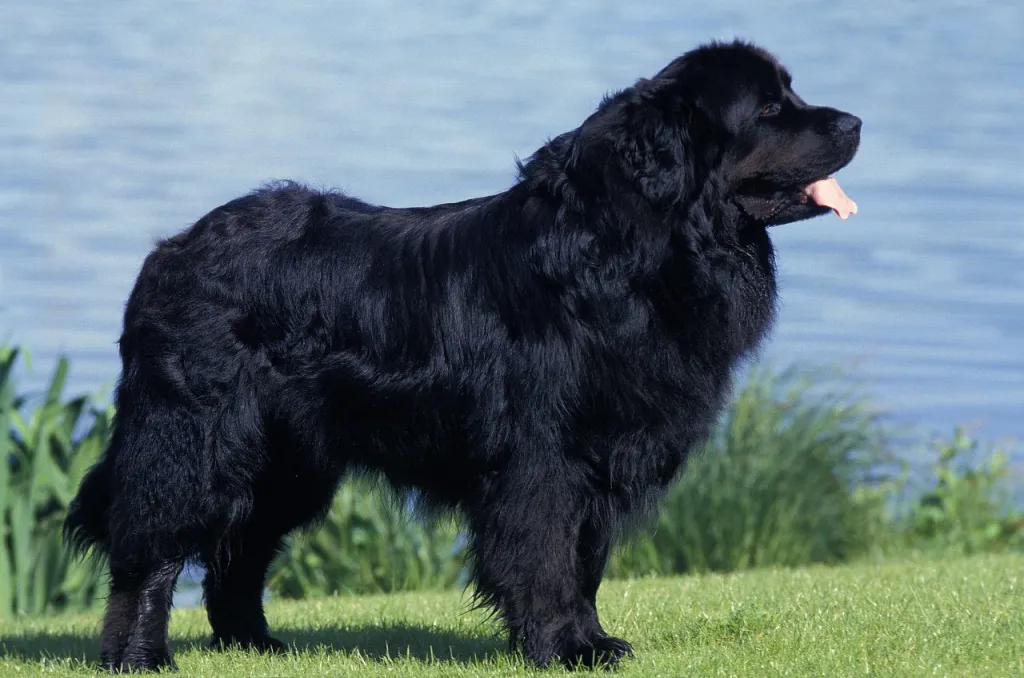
point(540, 360)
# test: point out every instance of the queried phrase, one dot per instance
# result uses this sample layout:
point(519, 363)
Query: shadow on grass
point(374, 642)
point(384, 641)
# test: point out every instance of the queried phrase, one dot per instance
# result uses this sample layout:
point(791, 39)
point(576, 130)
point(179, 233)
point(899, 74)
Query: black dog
point(540, 360)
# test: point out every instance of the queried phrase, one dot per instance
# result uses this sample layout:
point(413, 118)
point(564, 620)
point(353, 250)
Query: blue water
point(122, 122)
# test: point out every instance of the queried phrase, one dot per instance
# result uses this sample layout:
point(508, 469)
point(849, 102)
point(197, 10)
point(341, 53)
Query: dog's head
point(727, 111)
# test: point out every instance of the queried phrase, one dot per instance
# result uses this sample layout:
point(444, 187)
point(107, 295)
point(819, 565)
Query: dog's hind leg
point(138, 612)
point(155, 514)
point(119, 621)
point(233, 588)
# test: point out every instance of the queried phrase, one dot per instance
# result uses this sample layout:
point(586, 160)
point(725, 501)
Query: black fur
point(541, 360)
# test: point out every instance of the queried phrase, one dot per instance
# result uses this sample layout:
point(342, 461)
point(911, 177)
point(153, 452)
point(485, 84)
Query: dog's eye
point(770, 110)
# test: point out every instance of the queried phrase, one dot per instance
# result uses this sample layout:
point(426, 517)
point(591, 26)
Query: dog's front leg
point(529, 564)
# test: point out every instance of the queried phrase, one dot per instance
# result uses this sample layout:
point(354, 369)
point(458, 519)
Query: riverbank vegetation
point(802, 470)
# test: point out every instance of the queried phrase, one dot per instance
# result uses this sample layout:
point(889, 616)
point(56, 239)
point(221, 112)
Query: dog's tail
point(87, 526)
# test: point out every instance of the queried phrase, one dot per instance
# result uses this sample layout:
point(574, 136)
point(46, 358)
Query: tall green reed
point(788, 478)
point(368, 543)
point(43, 456)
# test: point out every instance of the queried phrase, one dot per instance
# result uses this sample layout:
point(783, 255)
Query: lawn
point(951, 617)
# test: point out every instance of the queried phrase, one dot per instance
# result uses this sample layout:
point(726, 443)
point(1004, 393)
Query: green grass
point(953, 617)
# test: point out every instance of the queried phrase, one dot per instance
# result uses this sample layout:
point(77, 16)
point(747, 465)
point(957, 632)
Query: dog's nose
point(847, 124)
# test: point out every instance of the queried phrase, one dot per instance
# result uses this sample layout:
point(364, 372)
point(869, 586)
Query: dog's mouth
point(763, 200)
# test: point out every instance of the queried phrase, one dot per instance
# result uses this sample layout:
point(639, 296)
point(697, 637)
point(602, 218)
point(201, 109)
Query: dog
point(539, 361)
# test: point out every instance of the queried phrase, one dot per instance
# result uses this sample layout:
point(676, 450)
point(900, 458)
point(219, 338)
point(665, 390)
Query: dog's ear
point(653, 124)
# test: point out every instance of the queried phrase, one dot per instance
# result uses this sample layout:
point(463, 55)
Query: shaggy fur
point(540, 360)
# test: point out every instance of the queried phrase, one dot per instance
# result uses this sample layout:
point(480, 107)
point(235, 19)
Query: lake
point(125, 122)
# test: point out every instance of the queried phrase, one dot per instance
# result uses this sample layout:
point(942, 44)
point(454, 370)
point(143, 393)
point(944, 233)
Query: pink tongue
point(827, 193)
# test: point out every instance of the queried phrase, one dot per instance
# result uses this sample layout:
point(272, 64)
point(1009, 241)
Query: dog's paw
point(575, 648)
point(599, 652)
